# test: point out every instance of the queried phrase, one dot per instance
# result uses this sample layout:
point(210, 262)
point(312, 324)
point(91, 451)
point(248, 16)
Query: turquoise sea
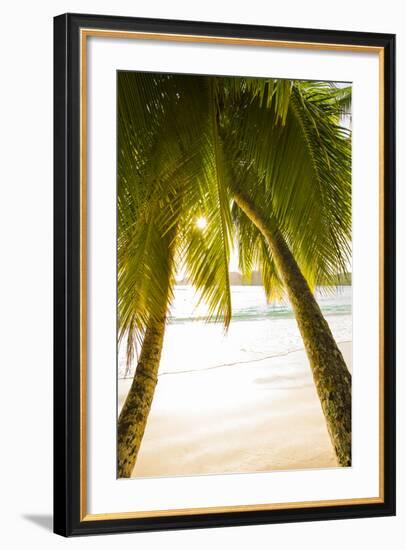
point(258, 330)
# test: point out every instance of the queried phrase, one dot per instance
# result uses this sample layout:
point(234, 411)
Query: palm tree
point(170, 174)
point(292, 187)
point(209, 140)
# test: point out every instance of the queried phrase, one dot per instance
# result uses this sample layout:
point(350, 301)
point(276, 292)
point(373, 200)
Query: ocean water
point(258, 330)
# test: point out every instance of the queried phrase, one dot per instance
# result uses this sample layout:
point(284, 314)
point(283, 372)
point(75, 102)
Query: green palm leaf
point(170, 173)
point(302, 164)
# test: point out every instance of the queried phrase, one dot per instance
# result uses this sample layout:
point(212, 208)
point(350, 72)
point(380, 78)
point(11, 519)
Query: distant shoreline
point(236, 279)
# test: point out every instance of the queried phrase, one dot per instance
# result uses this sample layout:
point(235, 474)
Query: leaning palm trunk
point(134, 414)
point(330, 373)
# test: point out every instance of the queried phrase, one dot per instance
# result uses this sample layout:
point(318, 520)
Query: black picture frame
point(68, 520)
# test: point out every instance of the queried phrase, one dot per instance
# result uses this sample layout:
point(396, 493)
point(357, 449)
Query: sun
point(201, 222)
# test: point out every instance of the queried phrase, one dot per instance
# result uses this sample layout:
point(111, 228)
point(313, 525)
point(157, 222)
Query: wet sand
point(251, 417)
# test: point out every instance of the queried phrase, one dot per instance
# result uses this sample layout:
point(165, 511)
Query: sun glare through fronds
point(201, 222)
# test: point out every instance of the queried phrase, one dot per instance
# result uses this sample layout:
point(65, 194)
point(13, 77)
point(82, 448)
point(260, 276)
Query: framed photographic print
point(224, 274)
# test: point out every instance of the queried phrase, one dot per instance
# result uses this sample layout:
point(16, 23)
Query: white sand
point(252, 417)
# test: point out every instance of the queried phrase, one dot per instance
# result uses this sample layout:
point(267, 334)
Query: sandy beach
point(260, 416)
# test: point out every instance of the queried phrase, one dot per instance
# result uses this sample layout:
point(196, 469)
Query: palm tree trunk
point(134, 414)
point(330, 373)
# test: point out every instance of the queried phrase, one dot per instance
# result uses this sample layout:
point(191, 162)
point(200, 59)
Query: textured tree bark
point(330, 373)
point(134, 414)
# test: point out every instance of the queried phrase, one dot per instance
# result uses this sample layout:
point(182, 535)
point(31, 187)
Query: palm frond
point(169, 173)
point(303, 174)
